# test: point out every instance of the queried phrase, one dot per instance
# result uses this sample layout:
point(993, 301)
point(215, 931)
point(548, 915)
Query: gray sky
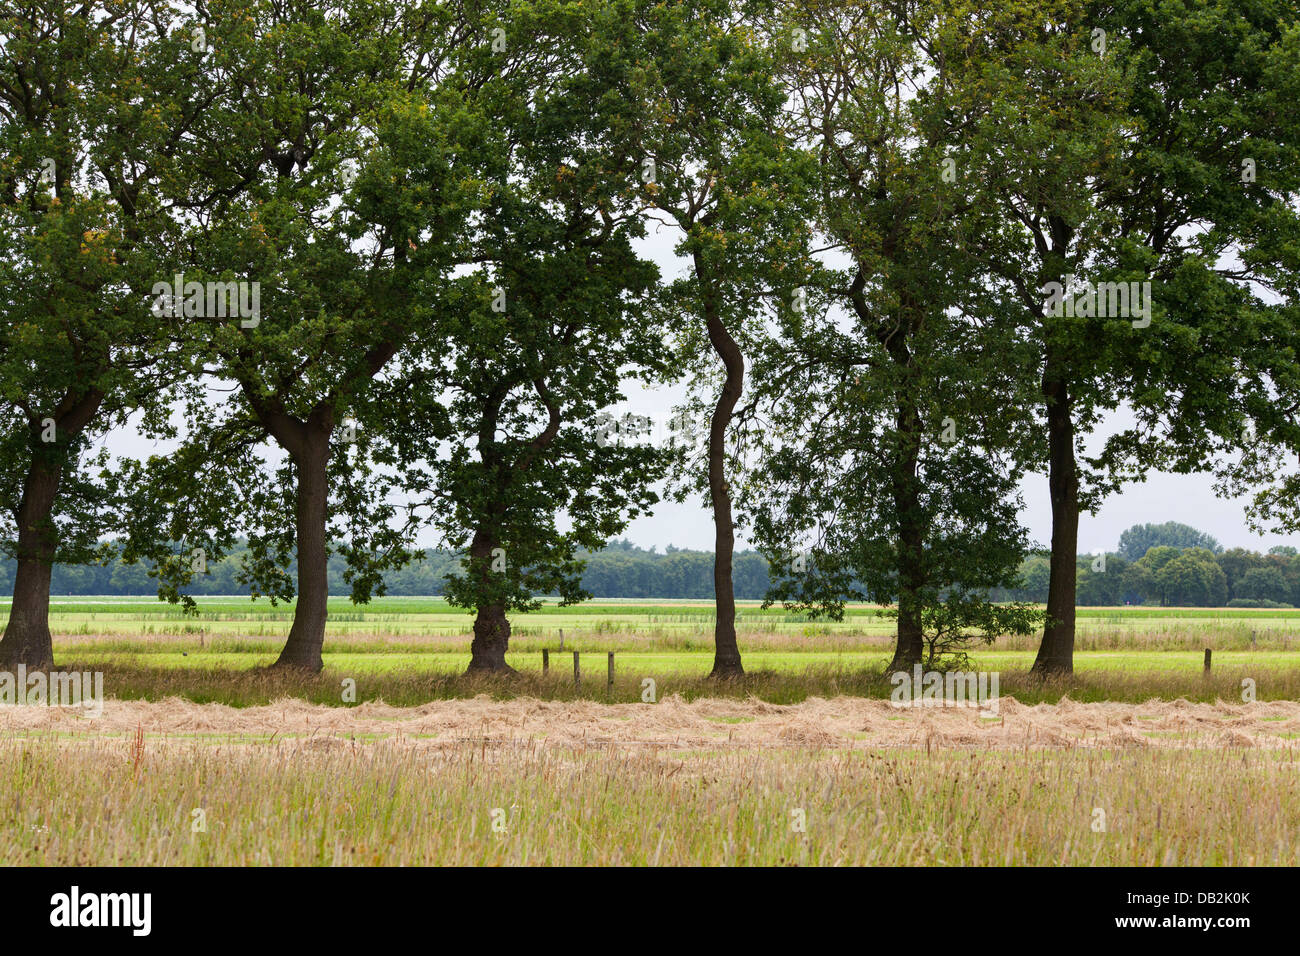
point(1189, 499)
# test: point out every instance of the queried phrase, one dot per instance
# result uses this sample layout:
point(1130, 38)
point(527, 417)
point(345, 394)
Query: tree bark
point(491, 626)
point(726, 650)
point(1056, 653)
point(27, 636)
point(911, 569)
point(307, 635)
point(491, 641)
point(912, 529)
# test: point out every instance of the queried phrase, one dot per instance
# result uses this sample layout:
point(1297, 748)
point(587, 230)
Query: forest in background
point(1170, 565)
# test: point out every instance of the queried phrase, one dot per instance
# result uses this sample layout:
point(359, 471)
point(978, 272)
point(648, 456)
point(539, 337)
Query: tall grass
point(332, 802)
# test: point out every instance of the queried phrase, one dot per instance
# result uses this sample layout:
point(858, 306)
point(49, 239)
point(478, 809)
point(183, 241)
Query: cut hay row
point(846, 723)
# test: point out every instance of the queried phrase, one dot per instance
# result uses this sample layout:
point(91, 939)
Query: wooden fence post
point(577, 672)
point(609, 685)
point(1207, 662)
point(546, 660)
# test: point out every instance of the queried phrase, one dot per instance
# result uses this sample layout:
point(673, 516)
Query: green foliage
point(1191, 577)
point(489, 418)
point(299, 96)
point(622, 570)
point(952, 624)
point(445, 233)
point(891, 400)
point(1268, 583)
point(1141, 538)
point(618, 571)
point(91, 106)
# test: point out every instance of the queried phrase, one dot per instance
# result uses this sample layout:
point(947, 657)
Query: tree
point(1036, 571)
point(1235, 563)
point(1157, 557)
point(1103, 580)
point(1217, 89)
point(1268, 584)
point(946, 626)
point(1192, 577)
point(94, 102)
point(342, 159)
point(491, 417)
point(716, 162)
point(1117, 148)
point(1137, 540)
point(893, 426)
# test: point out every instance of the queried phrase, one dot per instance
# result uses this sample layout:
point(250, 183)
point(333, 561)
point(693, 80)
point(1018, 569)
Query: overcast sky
point(1186, 498)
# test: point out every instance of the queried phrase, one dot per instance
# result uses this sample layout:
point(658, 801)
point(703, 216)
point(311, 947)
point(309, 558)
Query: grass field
point(408, 650)
point(670, 625)
point(202, 756)
point(842, 781)
point(383, 805)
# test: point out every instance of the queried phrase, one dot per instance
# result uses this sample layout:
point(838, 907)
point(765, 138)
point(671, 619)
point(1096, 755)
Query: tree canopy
point(374, 273)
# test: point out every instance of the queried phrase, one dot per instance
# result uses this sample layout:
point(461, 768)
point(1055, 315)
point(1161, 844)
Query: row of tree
point(1171, 564)
point(379, 267)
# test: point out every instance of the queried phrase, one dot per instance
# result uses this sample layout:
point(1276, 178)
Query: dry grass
point(708, 782)
point(411, 686)
point(675, 724)
point(1142, 761)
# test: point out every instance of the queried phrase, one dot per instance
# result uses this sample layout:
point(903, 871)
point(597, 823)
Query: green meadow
point(407, 650)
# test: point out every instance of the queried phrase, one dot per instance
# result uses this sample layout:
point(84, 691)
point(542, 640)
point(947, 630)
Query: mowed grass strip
point(330, 802)
point(247, 682)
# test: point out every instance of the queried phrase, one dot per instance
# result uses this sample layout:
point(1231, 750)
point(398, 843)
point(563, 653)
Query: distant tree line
point(1172, 565)
point(1197, 572)
point(622, 570)
point(1173, 577)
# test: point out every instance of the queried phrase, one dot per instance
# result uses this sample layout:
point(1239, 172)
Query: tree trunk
point(911, 526)
point(27, 636)
point(491, 626)
point(1056, 653)
point(491, 641)
point(911, 640)
point(911, 643)
point(726, 651)
point(307, 635)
